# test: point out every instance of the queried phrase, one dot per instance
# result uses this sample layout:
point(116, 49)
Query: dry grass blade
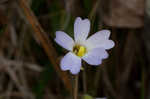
point(45, 42)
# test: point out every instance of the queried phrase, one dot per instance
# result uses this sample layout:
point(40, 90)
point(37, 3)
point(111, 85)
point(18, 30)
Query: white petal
point(95, 56)
point(81, 29)
point(71, 62)
point(100, 39)
point(104, 34)
point(64, 40)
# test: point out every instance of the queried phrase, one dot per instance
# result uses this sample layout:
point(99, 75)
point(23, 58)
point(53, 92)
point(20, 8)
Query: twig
point(19, 57)
point(10, 94)
point(47, 45)
point(12, 74)
point(12, 63)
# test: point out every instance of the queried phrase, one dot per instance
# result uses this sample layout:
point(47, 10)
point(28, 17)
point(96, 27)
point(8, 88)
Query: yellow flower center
point(79, 50)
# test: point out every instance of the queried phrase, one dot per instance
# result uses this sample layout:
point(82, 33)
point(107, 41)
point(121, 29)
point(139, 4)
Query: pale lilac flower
point(92, 49)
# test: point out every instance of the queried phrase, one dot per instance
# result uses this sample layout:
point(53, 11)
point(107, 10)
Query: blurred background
point(29, 57)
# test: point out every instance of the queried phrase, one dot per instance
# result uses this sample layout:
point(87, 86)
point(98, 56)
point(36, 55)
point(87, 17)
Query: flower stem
point(75, 92)
point(84, 81)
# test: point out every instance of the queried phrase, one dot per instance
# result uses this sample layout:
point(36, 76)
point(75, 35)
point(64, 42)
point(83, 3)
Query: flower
point(90, 49)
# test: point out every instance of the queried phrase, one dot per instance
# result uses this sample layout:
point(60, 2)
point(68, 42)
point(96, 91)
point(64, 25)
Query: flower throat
point(79, 50)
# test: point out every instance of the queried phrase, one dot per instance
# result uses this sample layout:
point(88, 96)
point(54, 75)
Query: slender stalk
point(75, 92)
point(84, 82)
